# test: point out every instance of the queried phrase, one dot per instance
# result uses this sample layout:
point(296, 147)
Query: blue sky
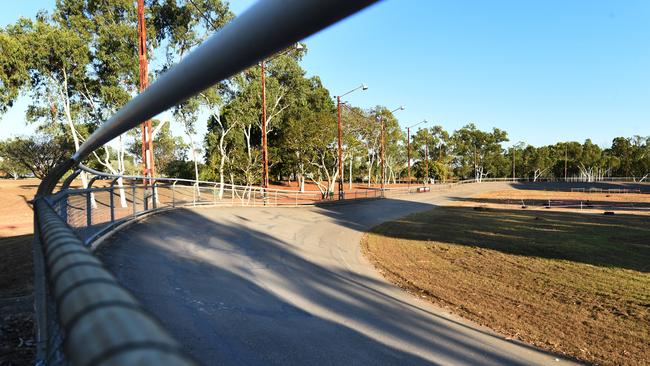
point(544, 71)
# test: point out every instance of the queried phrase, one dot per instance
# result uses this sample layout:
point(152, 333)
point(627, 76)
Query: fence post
point(112, 199)
point(153, 195)
point(135, 205)
point(111, 192)
point(174, 193)
point(88, 210)
point(145, 199)
point(64, 208)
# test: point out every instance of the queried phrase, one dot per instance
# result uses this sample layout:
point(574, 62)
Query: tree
point(38, 154)
point(166, 146)
point(305, 124)
point(478, 150)
point(9, 166)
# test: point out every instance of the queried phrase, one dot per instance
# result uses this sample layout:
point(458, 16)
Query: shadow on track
point(232, 294)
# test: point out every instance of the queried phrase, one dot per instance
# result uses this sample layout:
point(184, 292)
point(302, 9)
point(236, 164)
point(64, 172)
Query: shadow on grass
point(621, 241)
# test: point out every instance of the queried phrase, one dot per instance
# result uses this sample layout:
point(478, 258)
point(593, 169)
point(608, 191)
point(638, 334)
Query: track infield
point(572, 283)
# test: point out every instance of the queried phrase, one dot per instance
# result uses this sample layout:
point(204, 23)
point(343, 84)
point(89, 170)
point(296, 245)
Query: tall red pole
point(426, 156)
point(340, 143)
point(147, 142)
point(265, 156)
point(383, 160)
point(408, 154)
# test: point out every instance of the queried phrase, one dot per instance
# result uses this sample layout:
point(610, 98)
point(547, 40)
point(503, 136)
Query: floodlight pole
point(265, 156)
point(382, 152)
point(340, 145)
point(408, 155)
point(513, 163)
point(426, 157)
point(383, 170)
point(148, 169)
point(408, 150)
point(340, 137)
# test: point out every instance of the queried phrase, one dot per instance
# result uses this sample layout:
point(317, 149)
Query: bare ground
point(16, 310)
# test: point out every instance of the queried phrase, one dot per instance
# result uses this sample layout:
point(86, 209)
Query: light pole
point(340, 135)
point(383, 158)
point(426, 157)
point(265, 151)
point(147, 138)
point(408, 149)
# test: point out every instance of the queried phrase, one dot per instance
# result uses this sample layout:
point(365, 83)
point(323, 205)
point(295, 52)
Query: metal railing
point(84, 317)
point(93, 211)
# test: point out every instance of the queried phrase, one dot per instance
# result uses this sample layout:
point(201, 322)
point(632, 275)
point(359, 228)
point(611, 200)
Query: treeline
point(79, 64)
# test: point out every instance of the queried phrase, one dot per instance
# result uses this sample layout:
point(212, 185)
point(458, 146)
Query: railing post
point(194, 195)
point(174, 193)
point(89, 218)
point(145, 200)
point(111, 201)
point(214, 194)
point(135, 204)
point(64, 208)
point(153, 195)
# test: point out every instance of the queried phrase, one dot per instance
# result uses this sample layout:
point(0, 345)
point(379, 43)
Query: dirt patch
point(16, 304)
point(16, 272)
point(585, 202)
point(570, 283)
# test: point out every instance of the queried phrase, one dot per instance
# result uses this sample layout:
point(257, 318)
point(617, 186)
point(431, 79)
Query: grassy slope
point(571, 283)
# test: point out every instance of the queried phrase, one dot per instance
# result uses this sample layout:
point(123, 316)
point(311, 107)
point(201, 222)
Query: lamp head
point(401, 108)
point(299, 46)
point(364, 87)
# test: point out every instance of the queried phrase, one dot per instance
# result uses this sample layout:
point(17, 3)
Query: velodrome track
point(260, 286)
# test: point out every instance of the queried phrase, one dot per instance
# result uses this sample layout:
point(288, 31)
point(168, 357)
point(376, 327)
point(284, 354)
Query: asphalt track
point(289, 286)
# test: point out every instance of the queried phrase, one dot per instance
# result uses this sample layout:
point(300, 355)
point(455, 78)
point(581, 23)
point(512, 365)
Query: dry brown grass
point(570, 283)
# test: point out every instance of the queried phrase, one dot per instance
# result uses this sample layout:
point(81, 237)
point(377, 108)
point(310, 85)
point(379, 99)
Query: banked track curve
point(289, 286)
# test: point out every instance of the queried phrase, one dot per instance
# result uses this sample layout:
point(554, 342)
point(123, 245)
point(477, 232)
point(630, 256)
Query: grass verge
point(570, 283)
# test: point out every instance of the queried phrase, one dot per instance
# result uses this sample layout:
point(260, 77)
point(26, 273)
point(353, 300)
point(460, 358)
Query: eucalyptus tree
point(478, 151)
point(51, 73)
point(242, 111)
point(304, 127)
point(166, 147)
point(37, 153)
point(536, 162)
point(394, 149)
point(354, 124)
